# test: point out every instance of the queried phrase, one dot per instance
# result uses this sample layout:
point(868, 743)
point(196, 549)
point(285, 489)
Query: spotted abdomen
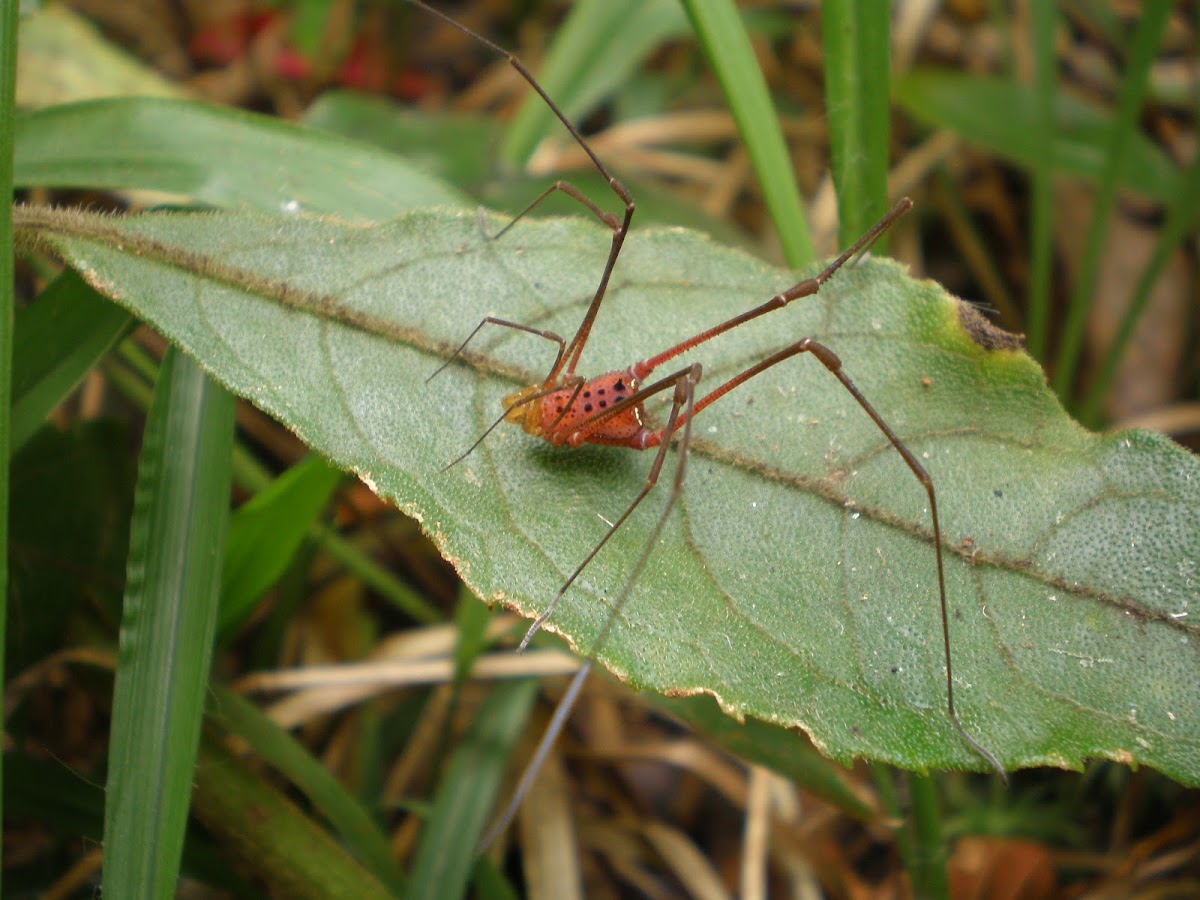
point(563, 419)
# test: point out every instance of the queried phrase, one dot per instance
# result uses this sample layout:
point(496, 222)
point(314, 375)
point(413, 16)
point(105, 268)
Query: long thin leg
point(685, 385)
point(805, 288)
point(830, 361)
point(691, 374)
point(684, 398)
point(492, 320)
point(576, 344)
point(571, 191)
point(534, 766)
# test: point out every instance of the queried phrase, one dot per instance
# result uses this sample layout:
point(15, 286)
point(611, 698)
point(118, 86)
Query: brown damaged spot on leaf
point(984, 333)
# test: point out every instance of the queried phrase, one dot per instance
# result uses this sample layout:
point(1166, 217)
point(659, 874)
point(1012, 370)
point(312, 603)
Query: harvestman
point(568, 409)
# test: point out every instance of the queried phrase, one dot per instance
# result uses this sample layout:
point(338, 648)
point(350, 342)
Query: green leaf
point(795, 582)
point(58, 339)
point(443, 144)
point(265, 533)
point(64, 56)
point(1003, 117)
point(223, 157)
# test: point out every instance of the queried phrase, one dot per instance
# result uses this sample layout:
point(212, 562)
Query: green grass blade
point(727, 46)
point(999, 115)
point(1043, 20)
point(1145, 44)
point(597, 47)
point(857, 53)
point(8, 84)
point(273, 838)
point(927, 863)
point(467, 792)
point(265, 533)
point(171, 601)
point(59, 338)
point(1181, 219)
point(351, 821)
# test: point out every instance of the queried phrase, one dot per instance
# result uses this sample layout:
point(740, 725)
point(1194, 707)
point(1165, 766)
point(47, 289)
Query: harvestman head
point(567, 409)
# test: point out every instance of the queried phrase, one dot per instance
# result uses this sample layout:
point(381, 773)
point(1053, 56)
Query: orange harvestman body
point(566, 409)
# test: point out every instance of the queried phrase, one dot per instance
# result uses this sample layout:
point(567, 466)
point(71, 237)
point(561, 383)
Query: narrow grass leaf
point(1182, 217)
point(465, 796)
point(58, 339)
point(927, 862)
point(8, 86)
point(167, 627)
point(856, 39)
point(1000, 116)
point(279, 749)
point(1043, 22)
point(265, 533)
point(723, 37)
point(597, 47)
point(1125, 124)
point(288, 852)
